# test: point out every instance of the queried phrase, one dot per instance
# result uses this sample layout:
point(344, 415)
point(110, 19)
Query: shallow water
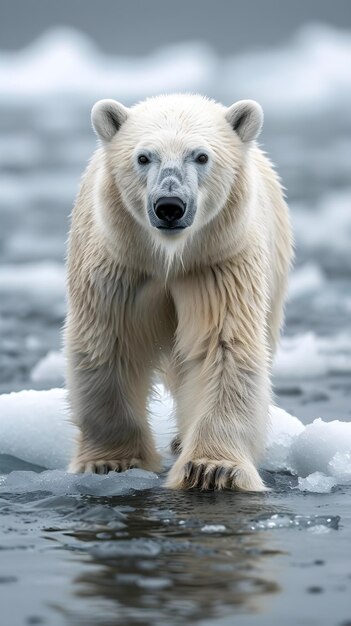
point(70, 555)
point(155, 557)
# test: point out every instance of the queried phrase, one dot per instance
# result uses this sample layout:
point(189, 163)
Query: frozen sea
point(121, 549)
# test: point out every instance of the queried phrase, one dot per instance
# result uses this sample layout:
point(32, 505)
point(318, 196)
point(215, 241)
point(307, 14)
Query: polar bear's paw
point(207, 475)
point(104, 466)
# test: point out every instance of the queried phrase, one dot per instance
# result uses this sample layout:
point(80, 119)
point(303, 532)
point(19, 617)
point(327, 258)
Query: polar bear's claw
point(102, 466)
point(210, 475)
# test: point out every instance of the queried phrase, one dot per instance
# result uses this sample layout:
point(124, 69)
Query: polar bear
point(179, 252)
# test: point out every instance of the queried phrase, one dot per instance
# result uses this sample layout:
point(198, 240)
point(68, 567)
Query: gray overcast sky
point(139, 26)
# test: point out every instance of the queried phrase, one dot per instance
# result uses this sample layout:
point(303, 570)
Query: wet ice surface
point(106, 550)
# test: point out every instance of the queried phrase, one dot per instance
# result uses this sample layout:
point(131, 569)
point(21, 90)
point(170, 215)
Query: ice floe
point(35, 428)
point(59, 482)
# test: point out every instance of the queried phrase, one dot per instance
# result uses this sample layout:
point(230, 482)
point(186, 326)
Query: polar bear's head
point(176, 158)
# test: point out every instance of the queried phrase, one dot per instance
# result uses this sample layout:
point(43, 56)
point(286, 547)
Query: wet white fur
point(204, 308)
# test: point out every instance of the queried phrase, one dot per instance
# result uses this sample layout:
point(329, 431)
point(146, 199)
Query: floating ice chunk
point(283, 430)
point(58, 482)
point(316, 446)
point(306, 280)
point(317, 482)
point(319, 529)
point(290, 520)
point(50, 369)
point(340, 467)
point(213, 528)
point(34, 427)
point(127, 548)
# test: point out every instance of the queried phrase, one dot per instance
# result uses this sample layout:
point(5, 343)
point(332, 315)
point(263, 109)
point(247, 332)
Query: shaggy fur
point(203, 307)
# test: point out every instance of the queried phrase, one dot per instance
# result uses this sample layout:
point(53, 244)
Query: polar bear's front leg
point(224, 388)
point(109, 406)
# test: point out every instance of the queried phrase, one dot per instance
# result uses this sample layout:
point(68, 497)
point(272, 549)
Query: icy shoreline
point(35, 428)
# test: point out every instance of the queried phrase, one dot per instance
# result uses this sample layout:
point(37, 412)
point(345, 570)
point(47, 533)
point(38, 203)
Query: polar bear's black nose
point(169, 209)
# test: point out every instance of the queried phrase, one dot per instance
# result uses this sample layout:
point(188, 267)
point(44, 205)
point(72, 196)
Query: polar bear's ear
point(107, 117)
point(246, 118)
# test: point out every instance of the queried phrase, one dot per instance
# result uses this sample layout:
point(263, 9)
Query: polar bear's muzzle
point(169, 210)
point(171, 214)
point(171, 196)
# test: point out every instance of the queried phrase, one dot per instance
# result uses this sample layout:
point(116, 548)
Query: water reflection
point(185, 556)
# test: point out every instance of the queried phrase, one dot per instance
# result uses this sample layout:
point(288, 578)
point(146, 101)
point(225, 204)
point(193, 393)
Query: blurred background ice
point(56, 60)
point(295, 59)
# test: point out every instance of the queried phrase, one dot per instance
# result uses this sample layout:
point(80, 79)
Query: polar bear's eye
point(202, 158)
point(143, 159)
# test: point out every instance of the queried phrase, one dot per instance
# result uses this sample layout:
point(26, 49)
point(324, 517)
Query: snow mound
point(35, 428)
